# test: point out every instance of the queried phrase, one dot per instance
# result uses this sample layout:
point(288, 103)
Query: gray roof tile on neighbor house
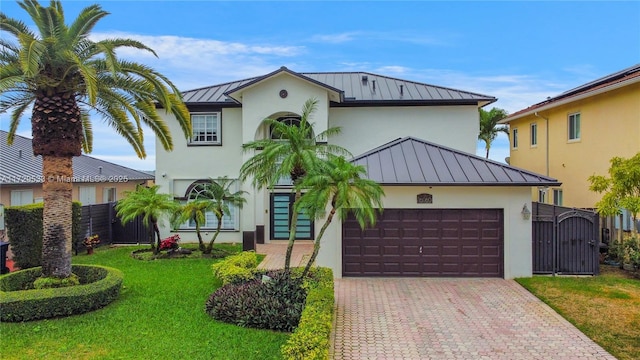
point(19, 166)
point(356, 90)
point(411, 161)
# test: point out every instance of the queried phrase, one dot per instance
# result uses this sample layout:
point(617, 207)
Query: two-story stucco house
point(447, 212)
point(574, 135)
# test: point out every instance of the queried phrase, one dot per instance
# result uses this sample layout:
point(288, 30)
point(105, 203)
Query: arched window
point(287, 120)
point(197, 191)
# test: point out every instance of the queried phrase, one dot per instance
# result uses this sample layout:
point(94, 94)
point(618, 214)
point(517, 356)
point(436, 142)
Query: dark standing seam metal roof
point(355, 90)
point(629, 74)
point(411, 161)
point(16, 169)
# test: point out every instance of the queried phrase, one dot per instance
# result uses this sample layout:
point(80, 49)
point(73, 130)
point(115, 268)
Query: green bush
point(311, 339)
point(98, 287)
point(24, 226)
point(236, 269)
point(52, 282)
point(275, 304)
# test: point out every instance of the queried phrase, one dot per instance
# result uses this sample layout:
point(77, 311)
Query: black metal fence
point(565, 240)
point(101, 219)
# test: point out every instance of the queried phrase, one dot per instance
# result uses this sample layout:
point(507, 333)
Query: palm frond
point(87, 132)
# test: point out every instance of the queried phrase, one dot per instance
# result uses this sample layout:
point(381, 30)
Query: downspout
point(547, 138)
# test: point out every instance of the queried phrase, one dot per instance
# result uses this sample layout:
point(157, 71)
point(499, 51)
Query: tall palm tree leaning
point(339, 183)
point(65, 74)
point(147, 202)
point(293, 154)
point(489, 128)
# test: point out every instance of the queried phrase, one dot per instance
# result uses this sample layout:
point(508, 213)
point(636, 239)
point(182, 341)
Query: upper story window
point(206, 129)
point(290, 121)
point(534, 134)
point(574, 126)
point(557, 197)
point(514, 138)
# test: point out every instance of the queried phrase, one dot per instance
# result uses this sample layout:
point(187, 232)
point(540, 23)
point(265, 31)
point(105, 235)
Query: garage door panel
point(426, 242)
point(389, 250)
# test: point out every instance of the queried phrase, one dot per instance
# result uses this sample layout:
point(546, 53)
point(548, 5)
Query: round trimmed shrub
point(19, 301)
point(275, 304)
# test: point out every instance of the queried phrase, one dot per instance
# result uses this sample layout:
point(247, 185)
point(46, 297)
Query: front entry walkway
point(276, 251)
point(418, 318)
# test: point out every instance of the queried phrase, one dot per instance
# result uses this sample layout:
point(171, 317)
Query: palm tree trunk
point(156, 231)
point(292, 231)
point(200, 241)
point(57, 216)
point(487, 156)
point(215, 235)
point(57, 135)
point(316, 244)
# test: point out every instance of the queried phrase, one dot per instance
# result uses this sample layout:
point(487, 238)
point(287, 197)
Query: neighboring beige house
point(447, 212)
point(95, 181)
point(574, 135)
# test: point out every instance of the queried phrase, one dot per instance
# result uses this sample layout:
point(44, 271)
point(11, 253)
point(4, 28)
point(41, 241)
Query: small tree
point(621, 189)
point(339, 183)
point(489, 128)
point(151, 205)
point(195, 210)
point(218, 193)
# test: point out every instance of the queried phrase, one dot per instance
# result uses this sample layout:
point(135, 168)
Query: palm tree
point(339, 183)
point(489, 128)
point(194, 210)
point(65, 75)
point(147, 202)
point(218, 193)
point(292, 155)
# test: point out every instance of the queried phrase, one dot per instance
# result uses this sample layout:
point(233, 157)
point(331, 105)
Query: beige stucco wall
point(517, 231)
point(610, 126)
point(5, 190)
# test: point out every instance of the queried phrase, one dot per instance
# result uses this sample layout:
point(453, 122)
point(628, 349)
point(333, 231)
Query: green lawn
point(606, 308)
point(159, 315)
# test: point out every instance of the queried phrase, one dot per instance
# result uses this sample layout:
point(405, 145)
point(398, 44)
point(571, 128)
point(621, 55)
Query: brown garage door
point(426, 242)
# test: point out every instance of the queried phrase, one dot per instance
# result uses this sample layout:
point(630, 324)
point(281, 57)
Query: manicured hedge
point(312, 338)
point(236, 269)
point(24, 225)
point(20, 302)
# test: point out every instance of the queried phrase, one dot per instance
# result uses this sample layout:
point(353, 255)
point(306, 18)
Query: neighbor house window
point(229, 221)
point(557, 197)
point(109, 195)
point(515, 138)
point(542, 195)
point(574, 126)
point(206, 129)
point(534, 134)
point(21, 197)
point(87, 195)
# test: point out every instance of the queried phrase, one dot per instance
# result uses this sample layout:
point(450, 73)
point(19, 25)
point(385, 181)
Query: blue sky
point(519, 52)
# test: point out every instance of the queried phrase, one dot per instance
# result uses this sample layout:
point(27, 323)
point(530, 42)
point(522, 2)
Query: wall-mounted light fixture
point(526, 213)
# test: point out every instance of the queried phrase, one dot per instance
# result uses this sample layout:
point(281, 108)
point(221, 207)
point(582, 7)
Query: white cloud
point(392, 69)
point(387, 36)
point(336, 38)
point(191, 63)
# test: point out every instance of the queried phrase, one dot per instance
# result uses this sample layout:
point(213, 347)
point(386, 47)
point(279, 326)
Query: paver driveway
point(383, 318)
